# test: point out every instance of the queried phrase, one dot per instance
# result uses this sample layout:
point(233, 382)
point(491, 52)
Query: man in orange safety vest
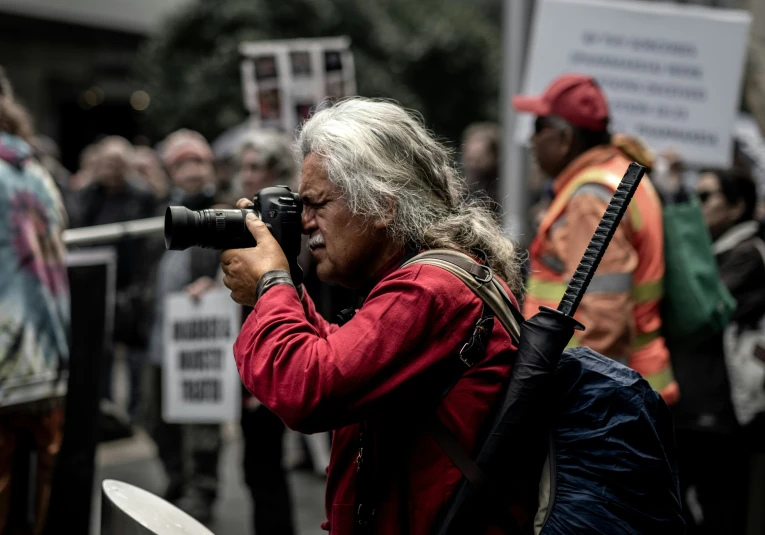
point(621, 312)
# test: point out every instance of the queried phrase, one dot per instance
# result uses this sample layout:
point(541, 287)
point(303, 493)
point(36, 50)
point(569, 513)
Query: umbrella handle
point(600, 240)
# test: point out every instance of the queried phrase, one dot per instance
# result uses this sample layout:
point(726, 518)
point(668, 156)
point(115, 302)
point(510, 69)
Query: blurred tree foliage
point(440, 57)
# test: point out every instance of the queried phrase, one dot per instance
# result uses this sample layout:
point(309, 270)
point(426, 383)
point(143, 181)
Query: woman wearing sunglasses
point(714, 441)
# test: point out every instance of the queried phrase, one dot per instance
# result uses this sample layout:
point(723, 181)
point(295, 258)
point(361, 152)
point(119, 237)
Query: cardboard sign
point(672, 74)
point(284, 80)
point(200, 383)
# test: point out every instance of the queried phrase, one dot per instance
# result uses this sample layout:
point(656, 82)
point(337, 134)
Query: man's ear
point(391, 209)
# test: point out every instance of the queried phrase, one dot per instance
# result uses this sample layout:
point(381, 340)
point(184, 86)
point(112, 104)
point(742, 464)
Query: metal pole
point(114, 231)
point(513, 184)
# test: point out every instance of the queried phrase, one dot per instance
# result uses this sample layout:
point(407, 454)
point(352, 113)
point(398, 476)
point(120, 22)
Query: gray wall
point(139, 16)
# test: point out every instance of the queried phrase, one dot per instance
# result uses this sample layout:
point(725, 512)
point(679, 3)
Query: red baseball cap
point(574, 97)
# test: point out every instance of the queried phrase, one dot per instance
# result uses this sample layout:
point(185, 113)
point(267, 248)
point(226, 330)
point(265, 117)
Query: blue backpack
point(579, 438)
point(612, 464)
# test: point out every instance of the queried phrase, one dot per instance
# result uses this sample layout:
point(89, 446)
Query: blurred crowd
point(119, 181)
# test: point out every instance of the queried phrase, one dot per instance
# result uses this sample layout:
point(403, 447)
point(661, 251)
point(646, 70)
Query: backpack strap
point(481, 281)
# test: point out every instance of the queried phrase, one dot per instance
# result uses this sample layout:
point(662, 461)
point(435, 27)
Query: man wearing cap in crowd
point(573, 146)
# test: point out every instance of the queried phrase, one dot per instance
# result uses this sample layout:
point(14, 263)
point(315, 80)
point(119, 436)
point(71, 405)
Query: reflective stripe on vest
point(648, 291)
point(543, 290)
point(643, 339)
point(660, 380)
point(598, 176)
point(549, 290)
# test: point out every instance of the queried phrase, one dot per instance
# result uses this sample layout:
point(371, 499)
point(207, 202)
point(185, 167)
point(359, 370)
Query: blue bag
point(612, 468)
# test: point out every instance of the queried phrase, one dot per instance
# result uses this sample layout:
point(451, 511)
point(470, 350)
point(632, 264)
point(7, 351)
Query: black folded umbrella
point(514, 452)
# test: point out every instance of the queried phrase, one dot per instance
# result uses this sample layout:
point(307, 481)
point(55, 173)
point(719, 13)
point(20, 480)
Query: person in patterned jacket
point(34, 311)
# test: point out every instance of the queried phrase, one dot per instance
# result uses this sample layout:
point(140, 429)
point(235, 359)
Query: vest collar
point(595, 156)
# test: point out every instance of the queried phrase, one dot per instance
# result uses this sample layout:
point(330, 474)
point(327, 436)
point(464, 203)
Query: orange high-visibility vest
point(648, 354)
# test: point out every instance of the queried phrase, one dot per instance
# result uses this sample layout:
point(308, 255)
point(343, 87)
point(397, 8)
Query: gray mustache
point(316, 241)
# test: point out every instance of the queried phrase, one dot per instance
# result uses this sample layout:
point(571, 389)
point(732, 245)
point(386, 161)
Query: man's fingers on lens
point(243, 203)
point(258, 229)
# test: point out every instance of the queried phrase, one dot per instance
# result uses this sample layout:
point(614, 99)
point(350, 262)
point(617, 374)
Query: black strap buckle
point(469, 352)
point(488, 274)
point(475, 348)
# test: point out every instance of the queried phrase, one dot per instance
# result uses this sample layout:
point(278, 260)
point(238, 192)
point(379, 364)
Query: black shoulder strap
point(494, 297)
point(479, 278)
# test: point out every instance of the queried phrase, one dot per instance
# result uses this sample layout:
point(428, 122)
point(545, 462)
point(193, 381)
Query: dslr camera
point(278, 207)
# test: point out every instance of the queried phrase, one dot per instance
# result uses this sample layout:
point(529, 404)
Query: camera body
point(278, 207)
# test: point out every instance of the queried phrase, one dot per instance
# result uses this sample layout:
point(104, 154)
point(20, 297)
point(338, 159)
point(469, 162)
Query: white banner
point(672, 74)
point(200, 383)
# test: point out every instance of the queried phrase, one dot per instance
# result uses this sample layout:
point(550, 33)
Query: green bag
point(696, 303)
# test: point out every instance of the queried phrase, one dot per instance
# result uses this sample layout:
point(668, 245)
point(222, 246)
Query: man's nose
point(308, 222)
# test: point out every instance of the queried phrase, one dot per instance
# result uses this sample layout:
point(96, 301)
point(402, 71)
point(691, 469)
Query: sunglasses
point(705, 195)
point(540, 124)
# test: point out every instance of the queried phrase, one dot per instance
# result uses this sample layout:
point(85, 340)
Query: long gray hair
point(382, 156)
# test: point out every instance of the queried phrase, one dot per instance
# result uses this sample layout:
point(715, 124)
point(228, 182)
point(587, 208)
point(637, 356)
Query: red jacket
point(317, 376)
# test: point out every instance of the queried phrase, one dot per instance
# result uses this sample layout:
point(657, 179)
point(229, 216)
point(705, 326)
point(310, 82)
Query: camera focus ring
point(220, 223)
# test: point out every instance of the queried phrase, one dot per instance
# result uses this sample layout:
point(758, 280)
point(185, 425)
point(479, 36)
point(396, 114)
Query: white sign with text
point(672, 74)
point(200, 383)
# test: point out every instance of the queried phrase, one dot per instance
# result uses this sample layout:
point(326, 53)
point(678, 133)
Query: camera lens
point(211, 229)
point(180, 226)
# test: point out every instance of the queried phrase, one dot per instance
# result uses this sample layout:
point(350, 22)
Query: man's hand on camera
point(244, 267)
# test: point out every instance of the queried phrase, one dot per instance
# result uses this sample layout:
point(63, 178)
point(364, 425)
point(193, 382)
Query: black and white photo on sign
point(301, 63)
point(270, 104)
point(332, 61)
point(265, 68)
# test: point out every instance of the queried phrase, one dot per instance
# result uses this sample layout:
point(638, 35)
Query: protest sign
point(672, 74)
point(200, 383)
point(284, 80)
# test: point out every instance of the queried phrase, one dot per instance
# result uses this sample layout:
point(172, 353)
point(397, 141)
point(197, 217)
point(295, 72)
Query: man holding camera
point(376, 189)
